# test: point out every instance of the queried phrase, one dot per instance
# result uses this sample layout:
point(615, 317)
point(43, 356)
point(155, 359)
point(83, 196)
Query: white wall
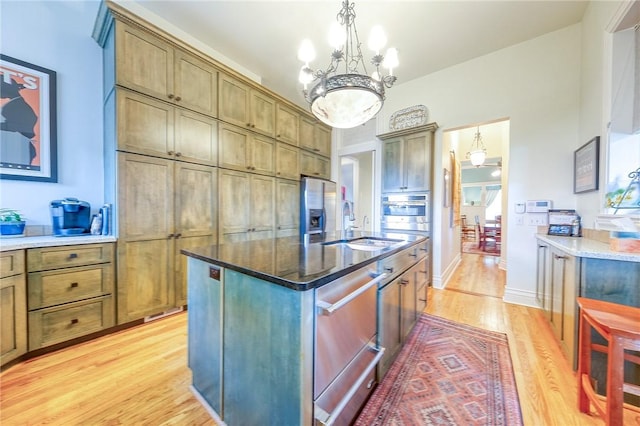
point(536, 85)
point(57, 35)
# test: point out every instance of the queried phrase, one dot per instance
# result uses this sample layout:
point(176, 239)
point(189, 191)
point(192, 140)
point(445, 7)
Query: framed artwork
point(585, 166)
point(446, 202)
point(28, 149)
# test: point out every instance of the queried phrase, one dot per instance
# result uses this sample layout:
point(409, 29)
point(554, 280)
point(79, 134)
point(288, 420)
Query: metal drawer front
point(342, 400)
point(343, 333)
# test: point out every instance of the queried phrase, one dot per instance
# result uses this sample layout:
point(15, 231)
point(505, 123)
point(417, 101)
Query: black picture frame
point(586, 166)
point(28, 128)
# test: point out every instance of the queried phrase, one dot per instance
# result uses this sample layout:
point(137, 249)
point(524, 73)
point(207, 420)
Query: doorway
point(356, 182)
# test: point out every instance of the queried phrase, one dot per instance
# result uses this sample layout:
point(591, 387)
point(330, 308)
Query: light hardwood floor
point(139, 376)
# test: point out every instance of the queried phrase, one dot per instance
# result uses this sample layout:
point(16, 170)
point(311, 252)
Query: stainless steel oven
point(406, 212)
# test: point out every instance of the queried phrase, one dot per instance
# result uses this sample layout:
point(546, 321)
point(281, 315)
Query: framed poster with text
point(27, 121)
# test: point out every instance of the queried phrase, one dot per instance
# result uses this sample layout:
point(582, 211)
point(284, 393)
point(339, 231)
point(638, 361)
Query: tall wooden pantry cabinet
point(195, 154)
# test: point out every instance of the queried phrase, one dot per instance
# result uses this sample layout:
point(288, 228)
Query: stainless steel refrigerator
point(317, 206)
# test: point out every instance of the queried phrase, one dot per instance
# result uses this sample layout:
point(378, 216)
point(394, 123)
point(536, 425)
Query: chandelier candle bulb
point(377, 39)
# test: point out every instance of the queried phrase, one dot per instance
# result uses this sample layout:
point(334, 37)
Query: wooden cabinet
point(563, 292)
point(70, 292)
point(287, 125)
point(148, 126)
point(315, 137)
point(245, 106)
point(407, 159)
point(148, 64)
point(287, 162)
point(13, 306)
point(542, 278)
point(287, 207)
point(246, 151)
point(314, 165)
point(247, 206)
point(165, 206)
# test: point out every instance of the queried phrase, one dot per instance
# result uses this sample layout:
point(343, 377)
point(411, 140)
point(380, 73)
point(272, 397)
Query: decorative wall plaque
point(414, 116)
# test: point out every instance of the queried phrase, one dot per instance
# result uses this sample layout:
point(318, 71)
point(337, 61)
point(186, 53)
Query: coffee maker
point(70, 217)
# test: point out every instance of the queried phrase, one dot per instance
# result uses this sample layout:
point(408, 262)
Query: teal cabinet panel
point(268, 345)
point(205, 331)
point(617, 282)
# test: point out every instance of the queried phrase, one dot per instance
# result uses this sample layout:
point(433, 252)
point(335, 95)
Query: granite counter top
point(584, 247)
point(18, 243)
point(296, 264)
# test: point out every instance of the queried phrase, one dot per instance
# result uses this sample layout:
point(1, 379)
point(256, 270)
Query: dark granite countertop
point(298, 264)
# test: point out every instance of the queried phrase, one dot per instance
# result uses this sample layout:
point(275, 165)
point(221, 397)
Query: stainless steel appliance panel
point(406, 212)
point(343, 332)
point(317, 206)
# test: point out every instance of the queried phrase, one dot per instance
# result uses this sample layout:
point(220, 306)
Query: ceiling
point(264, 36)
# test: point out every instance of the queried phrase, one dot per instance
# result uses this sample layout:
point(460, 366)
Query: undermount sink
point(367, 243)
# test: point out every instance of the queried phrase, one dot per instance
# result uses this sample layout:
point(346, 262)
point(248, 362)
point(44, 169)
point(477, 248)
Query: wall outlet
point(537, 219)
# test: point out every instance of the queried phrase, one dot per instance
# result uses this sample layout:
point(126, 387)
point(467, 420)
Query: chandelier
point(478, 152)
point(345, 95)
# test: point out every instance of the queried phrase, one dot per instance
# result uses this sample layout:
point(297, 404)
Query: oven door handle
point(328, 309)
point(327, 419)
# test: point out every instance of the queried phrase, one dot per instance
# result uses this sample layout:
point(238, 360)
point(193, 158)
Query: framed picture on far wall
point(27, 121)
point(585, 166)
point(447, 189)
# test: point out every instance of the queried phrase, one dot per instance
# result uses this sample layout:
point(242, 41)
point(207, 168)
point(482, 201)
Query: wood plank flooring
point(140, 377)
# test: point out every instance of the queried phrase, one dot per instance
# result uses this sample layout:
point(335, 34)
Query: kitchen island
point(285, 331)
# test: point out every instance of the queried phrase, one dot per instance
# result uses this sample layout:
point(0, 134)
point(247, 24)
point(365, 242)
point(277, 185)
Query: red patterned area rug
point(472, 247)
point(447, 374)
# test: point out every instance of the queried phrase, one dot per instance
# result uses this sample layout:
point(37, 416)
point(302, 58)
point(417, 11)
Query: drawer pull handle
point(424, 249)
point(74, 321)
point(413, 254)
point(73, 285)
point(422, 300)
point(327, 309)
point(404, 282)
point(73, 256)
point(389, 270)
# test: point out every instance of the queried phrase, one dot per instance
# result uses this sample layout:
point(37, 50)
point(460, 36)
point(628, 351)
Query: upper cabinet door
point(143, 62)
point(234, 101)
point(417, 163)
point(196, 84)
point(263, 113)
point(196, 138)
point(145, 125)
point(287, 122)
point(392, 166)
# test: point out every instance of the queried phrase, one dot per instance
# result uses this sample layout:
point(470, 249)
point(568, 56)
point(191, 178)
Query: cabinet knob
point(248, 124)
point(178, 98)
point(170, 236)
point(73, 256)
point(74, 321)
point(170, 152)
point(73, 285)
point(178, 235)
point(178, 154)
point(390, 270)
point(170, 96)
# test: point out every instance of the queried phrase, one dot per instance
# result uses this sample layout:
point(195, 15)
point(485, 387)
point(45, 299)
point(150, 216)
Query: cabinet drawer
point(54, 325)
point(41, 259)
point(55, 287)
point(11, 263)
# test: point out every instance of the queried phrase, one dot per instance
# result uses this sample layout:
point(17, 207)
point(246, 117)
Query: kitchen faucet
point(347, 216)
